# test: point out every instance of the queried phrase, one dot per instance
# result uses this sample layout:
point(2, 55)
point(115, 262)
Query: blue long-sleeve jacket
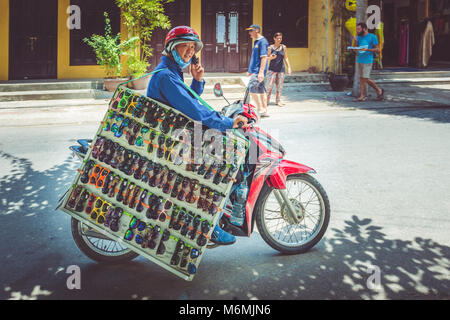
point(166, 87)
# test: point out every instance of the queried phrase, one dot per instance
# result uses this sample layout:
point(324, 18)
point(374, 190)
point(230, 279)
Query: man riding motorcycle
point(166, 85)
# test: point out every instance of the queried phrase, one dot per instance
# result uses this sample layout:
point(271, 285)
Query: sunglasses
point(118, 95)
point(184, 257)
point(112, 218)
point(125, 99)
point(175, 260)
point(154, 236)
point(161, 247)
point(100, 180)
point(101, 207)
point(142, 201)
point(158, 174)
point(180, 217)
point(167, 124)
point(219, 174)
point(195, 253)
point(134, 198)
point(82, 201)
point(134, 100)
point(151, 146)
point(97, 147)
point(173, 217)
point(135, 225)
point(138, 111)
point(74, 196)
point(157, 209)
point(187, 221)
point(86, 171)
point(121, 194)
point(112, 188)
point(128, 193)
point(195, 223)
point(90, 204)
point(167, 186)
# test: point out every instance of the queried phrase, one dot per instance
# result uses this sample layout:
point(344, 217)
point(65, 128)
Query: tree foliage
point(142, 17)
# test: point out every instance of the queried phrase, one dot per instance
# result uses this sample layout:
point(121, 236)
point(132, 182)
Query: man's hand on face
point(197, 71)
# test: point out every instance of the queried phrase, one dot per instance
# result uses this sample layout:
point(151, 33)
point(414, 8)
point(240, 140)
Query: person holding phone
point(278, 59)
point(181, 45)
point(166, 86)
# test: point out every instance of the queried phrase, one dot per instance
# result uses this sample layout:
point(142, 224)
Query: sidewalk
point(404, 95)
point(307, 96)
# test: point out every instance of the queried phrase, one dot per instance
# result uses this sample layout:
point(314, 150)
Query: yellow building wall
point(321, 48)
point(196, 18)
point(65, 70)
point(4, 40)
point(300, 58)
point(321, 45)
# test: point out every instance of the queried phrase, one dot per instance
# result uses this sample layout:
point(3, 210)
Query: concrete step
point(49, 95)
point(48, 86)
point(58, 103)
point(385, 75)
point(417, 80)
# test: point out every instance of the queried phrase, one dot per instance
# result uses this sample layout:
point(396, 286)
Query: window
point(289, 17)
point(92, 21)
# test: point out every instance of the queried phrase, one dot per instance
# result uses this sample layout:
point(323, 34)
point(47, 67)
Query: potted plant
point(136, 69)
point(141, 17)
point(108, 49)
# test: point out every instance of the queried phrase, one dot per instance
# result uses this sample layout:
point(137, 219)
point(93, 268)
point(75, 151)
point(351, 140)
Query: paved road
point(385, 171)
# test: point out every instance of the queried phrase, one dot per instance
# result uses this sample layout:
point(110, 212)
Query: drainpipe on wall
point(326, 37)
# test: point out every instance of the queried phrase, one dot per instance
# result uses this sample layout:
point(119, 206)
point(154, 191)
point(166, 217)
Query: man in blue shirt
point(364, 61)
point(166, 86)
point(258, 68)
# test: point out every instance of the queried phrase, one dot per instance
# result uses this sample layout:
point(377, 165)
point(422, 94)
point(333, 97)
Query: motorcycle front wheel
point(312, 208)
point(98, 247)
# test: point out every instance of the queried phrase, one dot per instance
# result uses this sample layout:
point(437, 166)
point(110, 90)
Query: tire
point(95, 253)
point(318, 232)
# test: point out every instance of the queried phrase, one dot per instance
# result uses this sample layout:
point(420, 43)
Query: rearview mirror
point(218, 90)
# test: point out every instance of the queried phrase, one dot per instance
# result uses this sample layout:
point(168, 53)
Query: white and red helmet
point(181, 34)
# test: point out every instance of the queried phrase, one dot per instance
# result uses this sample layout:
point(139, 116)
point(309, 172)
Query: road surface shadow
point(358, 261)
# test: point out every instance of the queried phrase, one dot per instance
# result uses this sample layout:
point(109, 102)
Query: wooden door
point(226, 43)
point(33, 39)
point(179, 15)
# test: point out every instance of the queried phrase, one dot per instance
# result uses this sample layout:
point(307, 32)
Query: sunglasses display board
point(150, 184)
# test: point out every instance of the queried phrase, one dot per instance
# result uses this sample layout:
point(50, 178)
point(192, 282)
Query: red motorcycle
point(290, 207)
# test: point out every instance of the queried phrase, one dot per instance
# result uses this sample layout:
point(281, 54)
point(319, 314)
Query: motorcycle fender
point(285, 168)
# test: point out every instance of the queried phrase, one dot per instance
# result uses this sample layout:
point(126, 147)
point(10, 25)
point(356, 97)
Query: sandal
point(360, 99)
point(381, 96)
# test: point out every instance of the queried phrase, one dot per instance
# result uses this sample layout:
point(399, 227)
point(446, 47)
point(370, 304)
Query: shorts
point(255, 86)
point(363, 70)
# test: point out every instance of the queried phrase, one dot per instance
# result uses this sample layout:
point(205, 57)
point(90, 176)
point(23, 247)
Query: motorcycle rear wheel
point(98, 247)
point(273, 221)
